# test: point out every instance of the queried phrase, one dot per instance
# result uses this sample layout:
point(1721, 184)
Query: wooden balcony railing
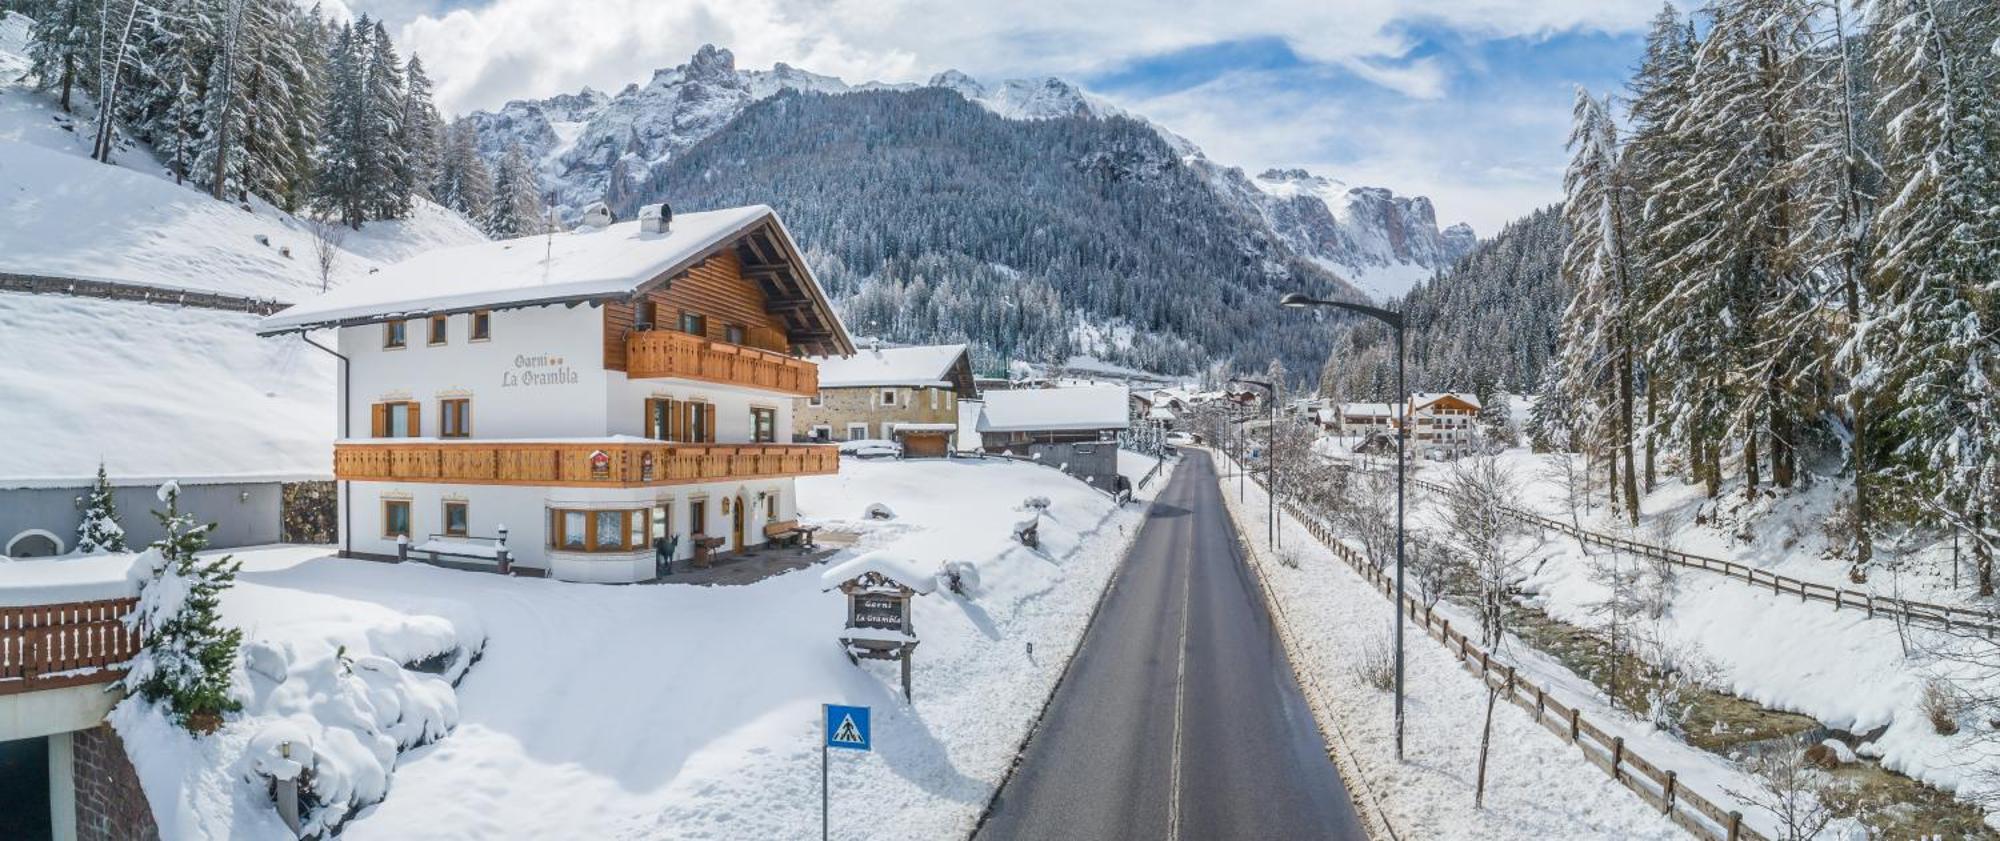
point(56, 645)
point(667, 353)
point(570, 463)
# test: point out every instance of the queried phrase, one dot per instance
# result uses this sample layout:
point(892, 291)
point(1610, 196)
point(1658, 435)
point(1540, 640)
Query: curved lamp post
point(1402, 421)
point(1270, 459)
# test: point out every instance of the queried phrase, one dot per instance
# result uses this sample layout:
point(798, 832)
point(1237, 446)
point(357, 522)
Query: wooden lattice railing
point(668, 353)
point(567, 463)
point(56, 645)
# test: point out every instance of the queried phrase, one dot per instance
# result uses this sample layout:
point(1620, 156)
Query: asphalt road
point(1179, 717)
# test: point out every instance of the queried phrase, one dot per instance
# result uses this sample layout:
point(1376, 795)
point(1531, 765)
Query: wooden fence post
point(1871, 605)
point(1617, 756)
point(1573, 729)
point(1735, 826)
point(1668, 806)
point(1540, 705)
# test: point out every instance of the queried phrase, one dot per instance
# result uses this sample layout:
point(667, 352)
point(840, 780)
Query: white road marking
point(1180, 690)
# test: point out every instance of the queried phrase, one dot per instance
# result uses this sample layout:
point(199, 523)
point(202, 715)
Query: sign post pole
point(824, 715)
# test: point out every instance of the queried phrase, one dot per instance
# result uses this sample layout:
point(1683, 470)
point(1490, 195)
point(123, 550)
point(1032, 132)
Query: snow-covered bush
point(1940, 706)
point(188, 655)
point(961, 577)
point(878, 511)
point(99, 531)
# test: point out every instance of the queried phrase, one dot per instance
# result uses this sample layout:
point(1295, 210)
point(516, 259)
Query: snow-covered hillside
point(1375, 239)
point(62, 213)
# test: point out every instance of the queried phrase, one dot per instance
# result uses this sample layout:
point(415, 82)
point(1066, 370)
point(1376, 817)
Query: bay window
point(599, 530)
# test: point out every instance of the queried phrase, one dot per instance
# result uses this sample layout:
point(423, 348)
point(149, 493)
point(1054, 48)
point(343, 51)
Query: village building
point(1362, 420)
point(581, 398)
point(1075, 429)
point(1444, 424)
point(909, 395)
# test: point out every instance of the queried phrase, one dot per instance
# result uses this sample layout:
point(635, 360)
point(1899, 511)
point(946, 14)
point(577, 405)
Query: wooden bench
point(461, 546)
point(790, 533)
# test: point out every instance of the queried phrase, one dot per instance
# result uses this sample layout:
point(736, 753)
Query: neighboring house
point(579, 396)
point(1361, 420)
point(153, 393)
point(909, 395)
point(1444, 424)
point(1075, 429)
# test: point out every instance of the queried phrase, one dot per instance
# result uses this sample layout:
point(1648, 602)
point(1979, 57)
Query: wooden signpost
point(878, 590)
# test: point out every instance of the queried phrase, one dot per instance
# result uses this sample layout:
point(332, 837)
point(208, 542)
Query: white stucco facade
point(540, 376)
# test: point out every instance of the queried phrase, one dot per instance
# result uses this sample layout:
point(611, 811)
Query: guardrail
point(1877, 607)
point(1658, 786)
point(118, 290)
point(56, 645)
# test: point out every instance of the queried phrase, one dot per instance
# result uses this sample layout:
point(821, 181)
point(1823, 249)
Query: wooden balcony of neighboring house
point(759, 363)
point(605, 464)
point(51, 646)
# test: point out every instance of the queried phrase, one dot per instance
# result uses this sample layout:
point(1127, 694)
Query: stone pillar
point(110, 804)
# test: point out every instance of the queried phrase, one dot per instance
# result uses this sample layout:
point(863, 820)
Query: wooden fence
point(1658, 786)
point(56, 645)
point(115, 290)
point(1877, 607)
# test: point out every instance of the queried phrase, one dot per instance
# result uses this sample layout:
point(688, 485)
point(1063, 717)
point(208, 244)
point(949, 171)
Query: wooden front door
point(736, 524)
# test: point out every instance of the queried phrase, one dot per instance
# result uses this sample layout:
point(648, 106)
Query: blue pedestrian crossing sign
point(847, 727)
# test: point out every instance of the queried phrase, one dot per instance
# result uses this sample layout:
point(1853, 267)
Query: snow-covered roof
point(924, 365)
point(1420, 399)
point(1364, 409)
point(1025, 410)
point(582, 264)
point(894, 566)
point(1159, 413)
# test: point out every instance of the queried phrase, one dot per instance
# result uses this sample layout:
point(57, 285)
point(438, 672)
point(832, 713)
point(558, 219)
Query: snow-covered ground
point(1842, 668)
point(92, 380)
point(1538, 786)
point(680, 711)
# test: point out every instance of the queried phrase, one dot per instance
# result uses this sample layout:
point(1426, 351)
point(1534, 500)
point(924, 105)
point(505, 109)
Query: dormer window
point(395, 334)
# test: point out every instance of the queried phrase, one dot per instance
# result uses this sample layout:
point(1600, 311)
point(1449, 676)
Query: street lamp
point(1270, 460)
point(1402, 421)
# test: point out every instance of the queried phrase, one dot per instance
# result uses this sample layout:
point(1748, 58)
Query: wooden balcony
point(668, 353)
point(620, 465)
point(56, 645)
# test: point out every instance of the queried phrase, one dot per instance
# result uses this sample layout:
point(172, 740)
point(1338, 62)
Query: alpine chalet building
point(585, 396)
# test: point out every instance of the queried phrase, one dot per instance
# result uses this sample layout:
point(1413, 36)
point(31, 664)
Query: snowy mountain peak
point(964, 85)
point(1381, 242)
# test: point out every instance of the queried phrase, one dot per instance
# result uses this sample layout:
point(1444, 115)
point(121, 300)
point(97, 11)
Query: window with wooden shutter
point(455, 418)
point(379, 423)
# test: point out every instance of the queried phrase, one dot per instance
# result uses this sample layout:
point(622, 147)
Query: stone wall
point(842, 406)
point(110, 805)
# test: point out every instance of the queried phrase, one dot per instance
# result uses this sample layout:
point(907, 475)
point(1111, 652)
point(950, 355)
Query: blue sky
point(1466, 101)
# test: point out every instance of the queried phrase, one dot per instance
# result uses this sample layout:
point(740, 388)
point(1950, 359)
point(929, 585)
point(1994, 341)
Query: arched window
point(34, 543)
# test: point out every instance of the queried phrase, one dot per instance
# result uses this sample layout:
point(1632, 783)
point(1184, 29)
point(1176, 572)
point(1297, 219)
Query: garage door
point(924, 445)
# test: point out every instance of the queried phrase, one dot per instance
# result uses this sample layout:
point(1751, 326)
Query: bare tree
point(327, 235)
point(1791, 789)
point(1483, 534)
point(1623, 579)
point(1370, 515)
point(1572, 489)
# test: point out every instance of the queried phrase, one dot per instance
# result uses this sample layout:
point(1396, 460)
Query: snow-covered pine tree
point(276, 89)
point(118, 24)
point(167, 107)
point(188, 656)
point(99, 531)
point(221, 162)
point(463, 182)
point(1598, 355)
point(423, 130)
point(388, 181)
point(1937, 252)
point(60, 51)
point(1658, 91)
point(517, 198)
point(345, 159)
